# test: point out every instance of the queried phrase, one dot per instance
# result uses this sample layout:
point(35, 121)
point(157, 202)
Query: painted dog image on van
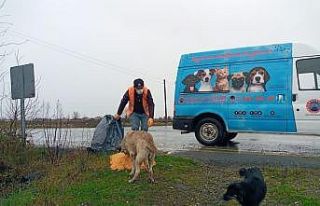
point(257, 80)
point(238, 82)
point(222, 84)
point(205, 79)
point(190, 82)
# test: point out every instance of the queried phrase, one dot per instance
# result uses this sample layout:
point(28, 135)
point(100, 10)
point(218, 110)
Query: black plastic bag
point(107, 136)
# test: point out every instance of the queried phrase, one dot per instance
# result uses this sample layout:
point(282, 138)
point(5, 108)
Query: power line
point(81, 56)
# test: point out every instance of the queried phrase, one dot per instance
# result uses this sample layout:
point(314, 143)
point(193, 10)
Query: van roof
point(274, 51)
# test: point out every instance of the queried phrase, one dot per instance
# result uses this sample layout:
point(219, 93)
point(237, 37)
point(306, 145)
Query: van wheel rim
point(209, 131)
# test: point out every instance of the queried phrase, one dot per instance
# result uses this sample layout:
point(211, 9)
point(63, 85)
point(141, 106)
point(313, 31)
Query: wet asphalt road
point(247, 149)
point(171, 140)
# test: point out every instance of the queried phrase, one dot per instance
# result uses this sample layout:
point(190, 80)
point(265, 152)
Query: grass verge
point(86, 179)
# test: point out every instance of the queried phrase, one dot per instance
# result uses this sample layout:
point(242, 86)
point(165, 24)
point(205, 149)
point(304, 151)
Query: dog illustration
point(237, 82)
point(249, 192)
point(257, 80)
point(141, 148)
point(190, 82)
point(222, 80)
point(205, 79)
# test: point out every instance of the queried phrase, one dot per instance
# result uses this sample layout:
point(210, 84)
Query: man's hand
point(116, 117)
point(150, 122)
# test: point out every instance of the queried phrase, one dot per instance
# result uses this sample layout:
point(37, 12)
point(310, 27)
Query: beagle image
point(238, 82)
point(257, 80)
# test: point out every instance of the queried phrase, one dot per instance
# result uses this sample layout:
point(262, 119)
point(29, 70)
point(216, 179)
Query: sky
point(87, 53)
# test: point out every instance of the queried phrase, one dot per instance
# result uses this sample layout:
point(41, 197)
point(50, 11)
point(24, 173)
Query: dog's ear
point(245, 74)
point(248, 78)
point(199, 73)
point(230, 76)
point(212, 71)
point(266, 75)
point(185, 81)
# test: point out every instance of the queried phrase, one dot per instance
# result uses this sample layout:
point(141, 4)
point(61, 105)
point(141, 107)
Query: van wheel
point(230, 135)
point(209, 131)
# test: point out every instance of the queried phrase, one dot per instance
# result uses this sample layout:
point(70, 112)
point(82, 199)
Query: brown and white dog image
point(238, 82)
point(257, 79)
point(141, 148)
point(205, 79)
point(222, 84)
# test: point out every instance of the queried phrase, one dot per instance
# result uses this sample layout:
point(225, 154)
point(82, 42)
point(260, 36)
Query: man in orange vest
point(141, 106)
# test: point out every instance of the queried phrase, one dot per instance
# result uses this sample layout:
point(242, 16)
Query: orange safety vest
point(144, 101)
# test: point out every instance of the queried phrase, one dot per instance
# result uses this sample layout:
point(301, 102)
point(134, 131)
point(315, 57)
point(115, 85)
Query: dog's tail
point(152, 148)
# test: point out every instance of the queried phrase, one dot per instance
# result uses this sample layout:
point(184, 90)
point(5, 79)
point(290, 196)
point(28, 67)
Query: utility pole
point(165, 101)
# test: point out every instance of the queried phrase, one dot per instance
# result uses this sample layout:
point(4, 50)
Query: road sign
point(22, 86)
point(22, 81)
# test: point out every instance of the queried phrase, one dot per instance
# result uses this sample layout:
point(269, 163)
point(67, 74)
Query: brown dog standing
point(141, 148)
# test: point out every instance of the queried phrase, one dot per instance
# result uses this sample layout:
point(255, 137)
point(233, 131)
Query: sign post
point(22, 86)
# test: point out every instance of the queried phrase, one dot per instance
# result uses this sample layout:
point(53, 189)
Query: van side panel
point(263, 109)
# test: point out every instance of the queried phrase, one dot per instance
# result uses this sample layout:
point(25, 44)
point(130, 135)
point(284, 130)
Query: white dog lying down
point(141, 148)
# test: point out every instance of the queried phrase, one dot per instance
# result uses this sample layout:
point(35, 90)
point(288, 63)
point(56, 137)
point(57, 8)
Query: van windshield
point(309, 74)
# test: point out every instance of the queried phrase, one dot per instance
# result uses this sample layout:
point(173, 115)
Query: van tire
point(230, 135)
point(209, 131)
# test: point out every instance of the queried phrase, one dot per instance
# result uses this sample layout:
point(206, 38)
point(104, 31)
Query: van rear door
point(306, 94)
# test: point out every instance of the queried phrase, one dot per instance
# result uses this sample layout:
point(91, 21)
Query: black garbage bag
point(107, 136)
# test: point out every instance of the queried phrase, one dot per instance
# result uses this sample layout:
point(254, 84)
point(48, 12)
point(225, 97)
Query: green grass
point(85, 179)
point(97, 184)
point(294, 186)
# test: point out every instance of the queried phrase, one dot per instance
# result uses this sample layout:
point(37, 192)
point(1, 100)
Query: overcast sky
point(87, 53)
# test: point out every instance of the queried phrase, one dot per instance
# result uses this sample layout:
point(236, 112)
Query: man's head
point(138, 84)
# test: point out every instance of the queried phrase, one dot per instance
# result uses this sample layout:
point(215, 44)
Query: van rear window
point(309, 74)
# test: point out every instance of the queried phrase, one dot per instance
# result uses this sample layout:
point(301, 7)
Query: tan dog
point(141, 148)
point(222, 80)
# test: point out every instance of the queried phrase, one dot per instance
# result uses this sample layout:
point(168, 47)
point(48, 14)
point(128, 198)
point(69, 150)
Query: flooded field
point(170, 140)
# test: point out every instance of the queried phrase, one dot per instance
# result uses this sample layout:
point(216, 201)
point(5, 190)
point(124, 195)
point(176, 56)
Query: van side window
point(309, 74)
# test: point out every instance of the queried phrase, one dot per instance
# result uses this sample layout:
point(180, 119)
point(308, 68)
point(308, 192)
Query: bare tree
point(75, 115)
point(55, 135)
point(8, 108)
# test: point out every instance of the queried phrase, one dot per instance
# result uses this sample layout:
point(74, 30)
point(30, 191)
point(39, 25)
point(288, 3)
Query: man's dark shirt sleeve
point(123, 102)
point(150, 104)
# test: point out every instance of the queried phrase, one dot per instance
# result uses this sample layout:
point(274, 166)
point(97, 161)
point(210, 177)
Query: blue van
point(271, 88)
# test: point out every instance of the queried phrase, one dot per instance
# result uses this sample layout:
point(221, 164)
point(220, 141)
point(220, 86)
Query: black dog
point(190, 82)
point(251, 191)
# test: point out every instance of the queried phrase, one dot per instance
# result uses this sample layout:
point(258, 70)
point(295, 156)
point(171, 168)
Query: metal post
point(165, 102)
point(23, 123)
